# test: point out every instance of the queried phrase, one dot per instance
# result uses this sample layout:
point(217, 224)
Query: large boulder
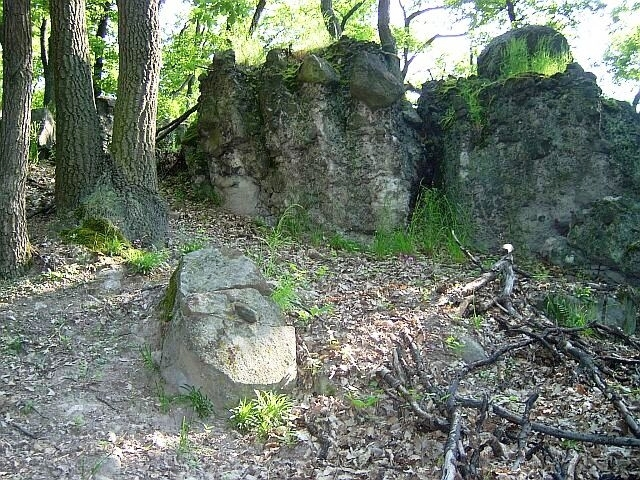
point(225, 335)
point(490, 60)
point(327, 132)
point(373, 83)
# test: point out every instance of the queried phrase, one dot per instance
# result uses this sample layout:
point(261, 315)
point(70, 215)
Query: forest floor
point(79, 401)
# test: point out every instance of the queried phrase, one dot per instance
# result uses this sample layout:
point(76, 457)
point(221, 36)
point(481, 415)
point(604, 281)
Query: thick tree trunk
point(134, 122)
point(79, 155)
point(14, 135)
point(387, 40)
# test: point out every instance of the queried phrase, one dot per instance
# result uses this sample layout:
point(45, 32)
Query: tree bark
point(256, 16)
point(134, 122)
point(79, 156)
point(46, 67)
point(387, 40)
point(14, 135)
point(330, 19)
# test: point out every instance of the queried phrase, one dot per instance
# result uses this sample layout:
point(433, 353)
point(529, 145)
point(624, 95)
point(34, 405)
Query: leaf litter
point(77, 401)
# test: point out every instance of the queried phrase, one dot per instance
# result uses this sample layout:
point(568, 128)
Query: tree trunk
point(134, 122)
point(14, 135)
point(330, 19)
point(387, 40)
point(98, 66)
point(256, 16)
point(46, 67)
point(79, 155)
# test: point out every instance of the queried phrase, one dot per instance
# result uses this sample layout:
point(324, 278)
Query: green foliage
point(361, 402)
point(429, 231)
point(339, 242)
point(573, 311)
point(469, 90)
point(184, 444)
point(516, 59)
point(143, 261)
point(265, 415)
point(285, 294)
point(98, 235)
point(196, 400)
point(392, 242)
point(559, 14)
point(192, 246)
point(623, 52)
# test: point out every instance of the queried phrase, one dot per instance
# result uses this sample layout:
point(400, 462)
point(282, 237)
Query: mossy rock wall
point(544, 163)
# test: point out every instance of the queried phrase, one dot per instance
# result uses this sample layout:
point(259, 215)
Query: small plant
point(263, 415)
point(184, 444)
point(147, 359)
point(362, 402)
point(192, 246)
point(575, 311)
point(306, 316)
point(477, 321)
point(144, 262)
point(338, 242)
point(197, 400)
point(14, 345)
point(285, 294)
point(453, 343)
point(164, 400)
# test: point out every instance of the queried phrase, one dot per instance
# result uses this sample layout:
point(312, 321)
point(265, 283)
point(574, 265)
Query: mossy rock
point(169, 300)
point(97, 234)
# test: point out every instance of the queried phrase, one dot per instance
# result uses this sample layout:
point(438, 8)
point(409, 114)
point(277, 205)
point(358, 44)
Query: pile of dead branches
point(479, 429)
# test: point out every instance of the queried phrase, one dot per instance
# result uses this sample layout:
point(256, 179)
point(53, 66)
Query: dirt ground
point(78, 401)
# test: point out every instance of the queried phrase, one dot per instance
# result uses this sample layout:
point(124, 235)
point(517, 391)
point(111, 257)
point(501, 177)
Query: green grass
point(143, 261)
point(517, 60)
point(429, 230)
point(147, 359)
point(265, 415)
point(196, 400)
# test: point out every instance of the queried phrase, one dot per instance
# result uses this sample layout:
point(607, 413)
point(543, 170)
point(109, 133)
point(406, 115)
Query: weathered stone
point(265, 143)
point(372, 83)
point(315, 69)
point(541, 165)
point(226, 336)
point(490, 60)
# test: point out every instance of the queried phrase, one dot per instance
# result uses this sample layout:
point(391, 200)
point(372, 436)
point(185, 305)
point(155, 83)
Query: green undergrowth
point(516, 62)
point(429, 232)
point(266, 415)
point(102, 237)
point(574, 310)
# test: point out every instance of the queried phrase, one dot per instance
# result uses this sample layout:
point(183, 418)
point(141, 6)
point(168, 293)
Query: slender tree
point(14, 135)
point(79, 155)
point(387, 40)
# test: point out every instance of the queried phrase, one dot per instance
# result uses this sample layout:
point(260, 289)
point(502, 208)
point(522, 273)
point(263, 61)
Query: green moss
point(99, 235)
point(169, 300)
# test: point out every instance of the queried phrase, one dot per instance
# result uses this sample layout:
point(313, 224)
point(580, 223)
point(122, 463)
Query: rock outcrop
point(328, 132)
point(545, 163)
point(224, 336)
